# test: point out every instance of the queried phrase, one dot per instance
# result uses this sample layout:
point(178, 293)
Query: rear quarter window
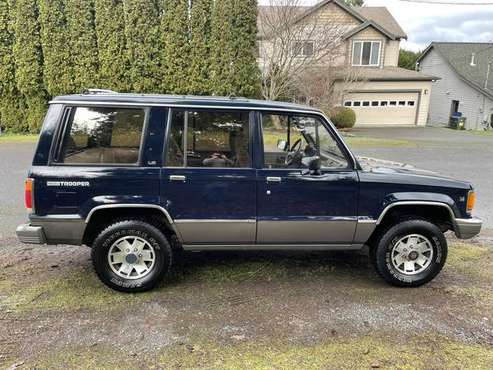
point(102, 135)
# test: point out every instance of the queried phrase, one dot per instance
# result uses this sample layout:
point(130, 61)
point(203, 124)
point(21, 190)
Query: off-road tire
point(381, 253)
point(152, 235)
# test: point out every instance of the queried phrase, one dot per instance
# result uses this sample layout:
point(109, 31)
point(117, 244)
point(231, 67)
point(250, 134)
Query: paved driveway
point(458, 154)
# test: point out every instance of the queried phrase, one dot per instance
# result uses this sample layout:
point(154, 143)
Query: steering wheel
point(293, 153)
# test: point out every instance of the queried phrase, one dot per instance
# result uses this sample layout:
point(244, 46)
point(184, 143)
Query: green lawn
point(368, 142)
point(18, 138)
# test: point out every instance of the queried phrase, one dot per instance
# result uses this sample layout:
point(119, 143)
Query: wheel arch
point(103, 214)
point(439, 213)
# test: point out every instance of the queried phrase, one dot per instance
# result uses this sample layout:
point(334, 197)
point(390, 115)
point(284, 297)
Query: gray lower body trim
point(364, 229)
point(216, 231)
point(61, 229)
point(273, 247)
point(307, 231)
point(466, 228)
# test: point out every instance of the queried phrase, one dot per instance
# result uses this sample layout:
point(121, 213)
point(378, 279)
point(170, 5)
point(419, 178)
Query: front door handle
point(177, 178)
point(273, 179)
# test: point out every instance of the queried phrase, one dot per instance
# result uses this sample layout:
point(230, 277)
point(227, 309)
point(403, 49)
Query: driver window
point(295, 141)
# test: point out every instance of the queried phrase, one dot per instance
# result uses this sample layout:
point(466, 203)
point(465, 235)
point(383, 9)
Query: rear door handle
point(273, 179)
point(177, 178)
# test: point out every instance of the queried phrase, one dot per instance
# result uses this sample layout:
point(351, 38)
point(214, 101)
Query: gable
point(458, 56)
point(334, 13)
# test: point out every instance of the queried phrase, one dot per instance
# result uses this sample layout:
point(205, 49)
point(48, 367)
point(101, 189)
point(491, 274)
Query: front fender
point(418, 198)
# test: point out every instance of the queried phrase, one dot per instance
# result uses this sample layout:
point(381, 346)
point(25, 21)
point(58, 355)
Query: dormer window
point(303, 48)
point(366, 53)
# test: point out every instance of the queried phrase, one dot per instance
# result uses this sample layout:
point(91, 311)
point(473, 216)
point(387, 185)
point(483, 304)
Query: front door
point(297, 205)
point(208, 182)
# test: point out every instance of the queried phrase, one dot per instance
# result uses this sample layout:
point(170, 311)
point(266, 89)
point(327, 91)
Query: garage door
point(383, 108)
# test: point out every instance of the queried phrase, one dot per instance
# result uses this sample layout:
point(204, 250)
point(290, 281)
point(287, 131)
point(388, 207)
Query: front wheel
point(410, 253)
point(131, 256)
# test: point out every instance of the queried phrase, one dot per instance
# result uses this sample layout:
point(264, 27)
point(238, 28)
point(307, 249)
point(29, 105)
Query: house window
point(393, 103)
point(303, 48)
point(402, 103)
point(384, 103)
point(366, 53)
point(356, 104)
point(366, 104)
point(374, 103)
point(410, 103)
point(347, 103)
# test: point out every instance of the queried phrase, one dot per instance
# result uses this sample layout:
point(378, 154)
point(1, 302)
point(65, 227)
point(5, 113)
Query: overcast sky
point(424, 23)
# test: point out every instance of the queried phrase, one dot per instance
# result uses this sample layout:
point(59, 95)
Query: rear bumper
point(29, 234)
point(466, 228)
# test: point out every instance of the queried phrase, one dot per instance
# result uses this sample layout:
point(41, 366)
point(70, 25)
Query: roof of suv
point(177, 100)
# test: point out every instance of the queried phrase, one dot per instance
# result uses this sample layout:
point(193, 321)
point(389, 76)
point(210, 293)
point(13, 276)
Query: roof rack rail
point(97, 91)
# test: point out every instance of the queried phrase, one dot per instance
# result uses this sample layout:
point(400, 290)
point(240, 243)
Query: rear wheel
point(131, 256)
point(410, 253)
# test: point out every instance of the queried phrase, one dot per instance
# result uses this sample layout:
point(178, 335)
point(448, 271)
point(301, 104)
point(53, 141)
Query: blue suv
point(139, 178)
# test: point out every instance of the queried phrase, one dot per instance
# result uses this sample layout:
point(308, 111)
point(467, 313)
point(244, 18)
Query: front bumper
point(30, 234)
point(466, 228)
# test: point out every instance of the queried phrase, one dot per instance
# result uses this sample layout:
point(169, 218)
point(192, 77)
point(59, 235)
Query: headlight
point(471, 200)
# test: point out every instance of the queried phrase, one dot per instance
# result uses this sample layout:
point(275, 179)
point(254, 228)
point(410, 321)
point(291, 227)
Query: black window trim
point(186, 109)
point(68, 112)
point(352, 164)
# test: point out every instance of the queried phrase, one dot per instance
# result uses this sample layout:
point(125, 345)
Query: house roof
point(381, 16)
point(459, 54)
point(391, 74)
point(367, 24)
point(378, 17)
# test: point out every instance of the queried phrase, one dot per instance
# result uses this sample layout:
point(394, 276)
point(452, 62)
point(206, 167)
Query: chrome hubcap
point(412, 254)
point(131, 257)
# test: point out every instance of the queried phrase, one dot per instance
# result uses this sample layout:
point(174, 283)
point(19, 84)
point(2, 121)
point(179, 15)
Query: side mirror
point(315, 166)
point(281, 145)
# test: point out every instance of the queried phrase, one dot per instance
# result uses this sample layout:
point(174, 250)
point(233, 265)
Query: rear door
point(296, 205)
point(207, 181)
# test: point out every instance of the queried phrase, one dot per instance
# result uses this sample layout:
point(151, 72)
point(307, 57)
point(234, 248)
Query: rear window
point(96, 135)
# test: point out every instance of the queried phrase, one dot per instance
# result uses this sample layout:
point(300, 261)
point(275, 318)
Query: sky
point(424, 23)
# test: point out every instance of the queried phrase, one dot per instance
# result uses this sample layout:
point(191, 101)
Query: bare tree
point(299, 49)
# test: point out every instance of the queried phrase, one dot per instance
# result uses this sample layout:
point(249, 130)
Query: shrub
point(343, 117)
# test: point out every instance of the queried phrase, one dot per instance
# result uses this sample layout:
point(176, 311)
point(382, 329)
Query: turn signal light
point(471, 200)
point(28, 194)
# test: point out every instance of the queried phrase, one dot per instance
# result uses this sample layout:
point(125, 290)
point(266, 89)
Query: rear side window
point(211, 139)
point(97, 135)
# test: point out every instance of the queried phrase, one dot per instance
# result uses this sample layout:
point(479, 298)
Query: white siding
point(449, 88)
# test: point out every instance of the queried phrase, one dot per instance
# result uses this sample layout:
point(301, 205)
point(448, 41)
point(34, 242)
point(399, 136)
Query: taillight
point(471, 200)
point(28, 194)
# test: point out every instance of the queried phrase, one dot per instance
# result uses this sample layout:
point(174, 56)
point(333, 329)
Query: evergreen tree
point(408, 59)
point(355, 2)
point(82, 36)
point(55, 40)
point(110, 31)
point(29, 61)
point(221, 48)
point(200, 38)
point(175, 47)
point(11, 101)
point(142, 31)
point(245, 72)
